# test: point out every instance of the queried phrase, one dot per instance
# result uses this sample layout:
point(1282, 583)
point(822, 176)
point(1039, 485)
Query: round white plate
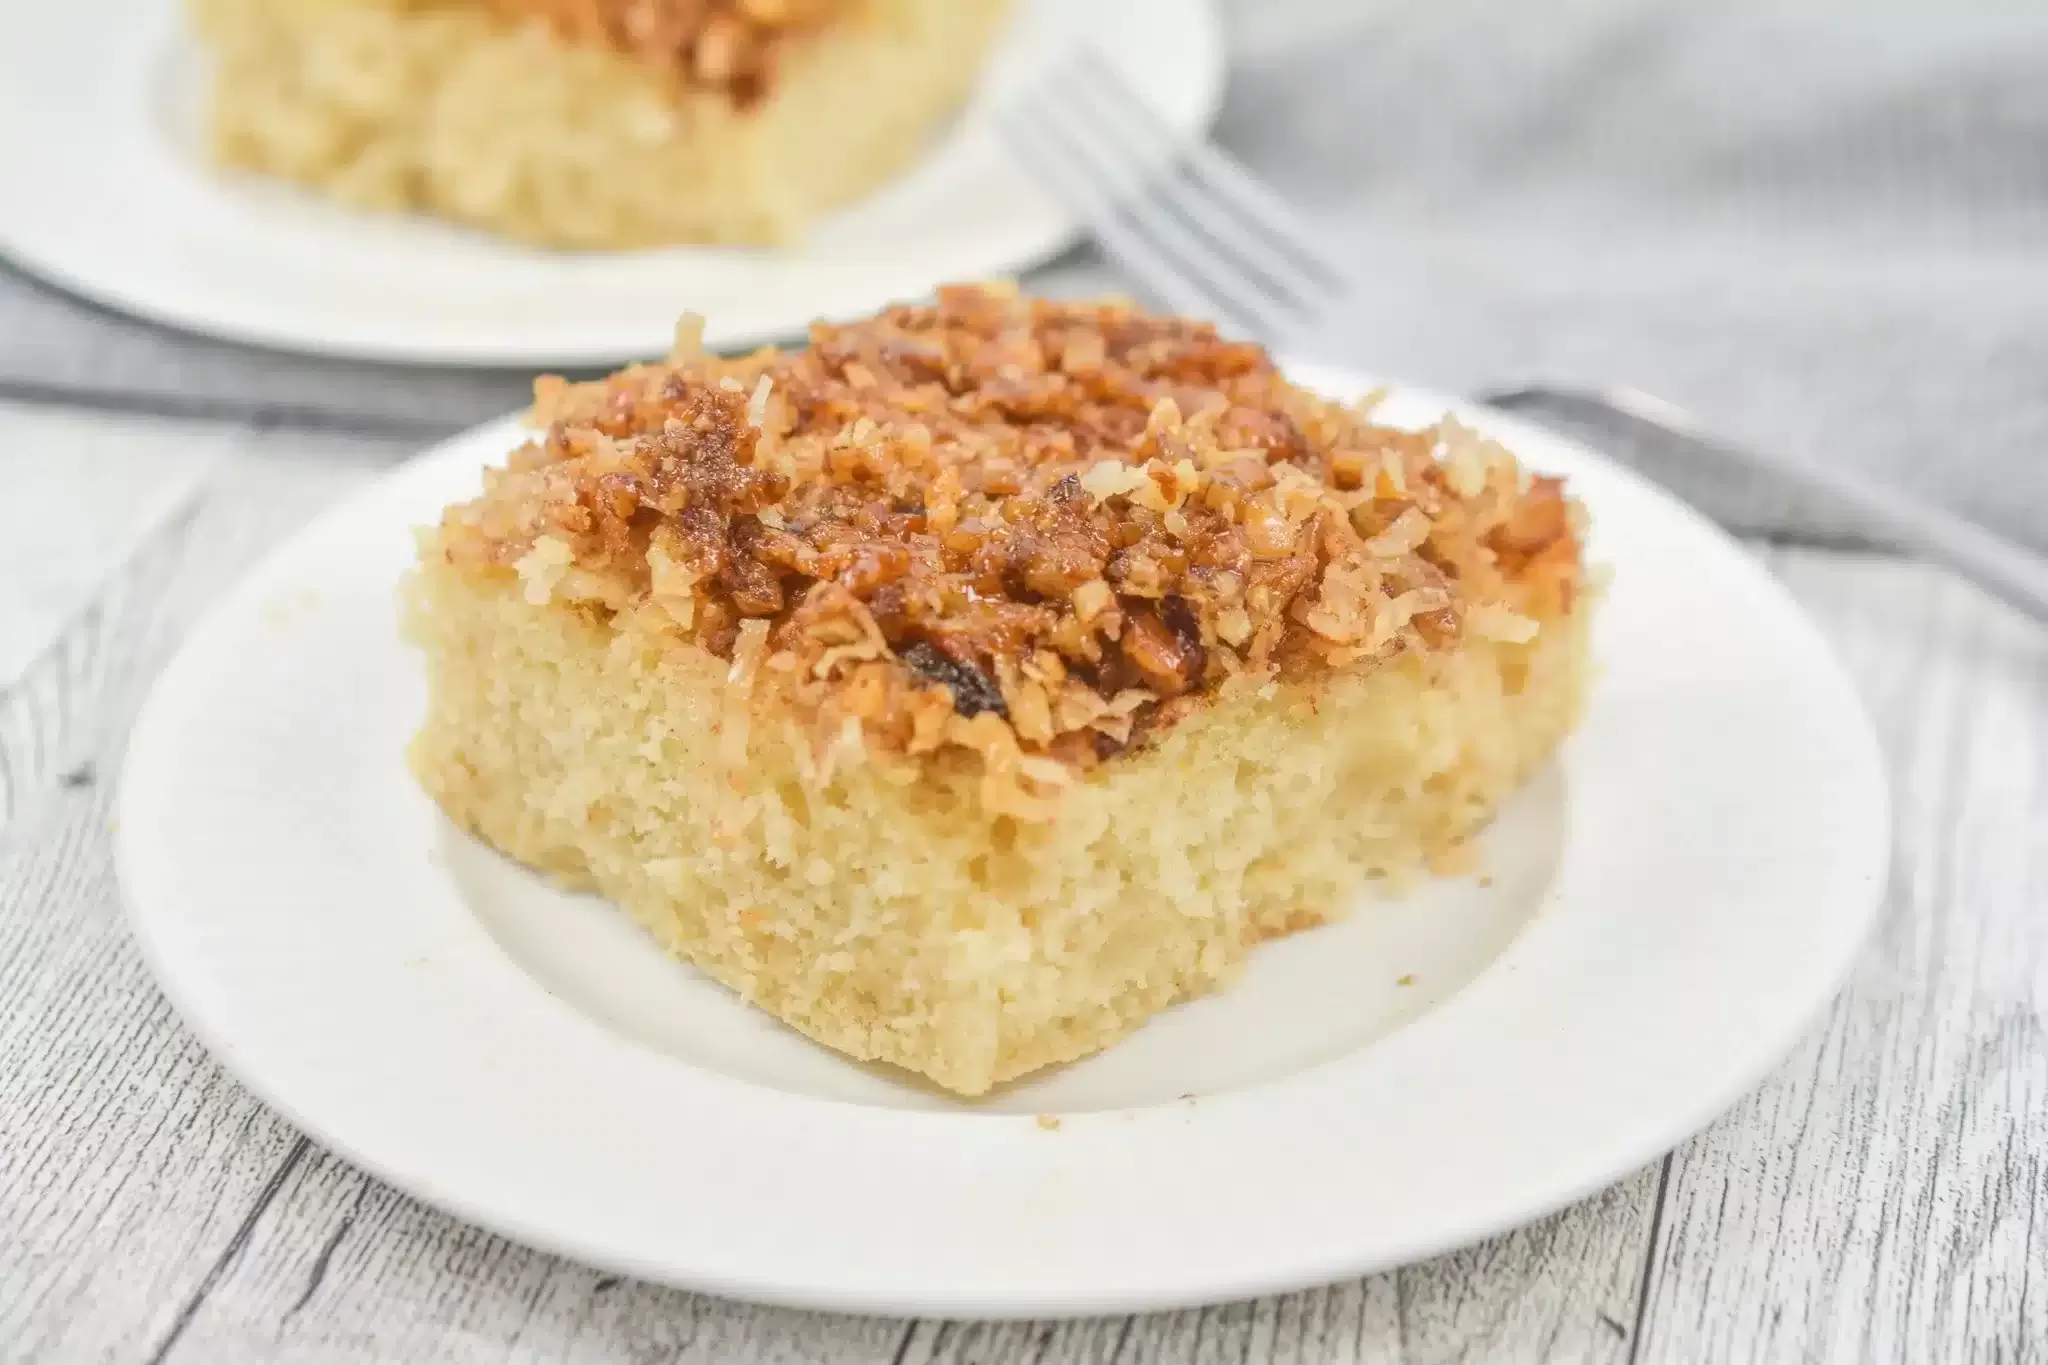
point(1666, 910)
point(103, 190)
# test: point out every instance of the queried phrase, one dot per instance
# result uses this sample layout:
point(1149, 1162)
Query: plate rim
point(1866, 881)
point(37, 245)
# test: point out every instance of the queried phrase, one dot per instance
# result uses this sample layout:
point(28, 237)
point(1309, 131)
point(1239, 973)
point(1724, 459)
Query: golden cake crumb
point(589, 124)
point(981, 679)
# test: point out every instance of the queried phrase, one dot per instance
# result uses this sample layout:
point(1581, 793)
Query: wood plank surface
point(1884, 1195)
point(131, 1167)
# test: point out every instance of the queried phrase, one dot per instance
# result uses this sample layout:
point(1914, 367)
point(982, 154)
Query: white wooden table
point(1883, 1197)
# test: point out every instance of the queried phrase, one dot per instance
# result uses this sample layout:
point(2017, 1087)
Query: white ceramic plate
point(1669, 907)
point(103, 191)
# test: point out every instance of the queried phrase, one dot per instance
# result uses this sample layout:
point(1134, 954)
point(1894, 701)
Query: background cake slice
point(974, 683)
point(590, 123)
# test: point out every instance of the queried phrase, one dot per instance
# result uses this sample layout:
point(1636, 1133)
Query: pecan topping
point(732, 46)
point(1040, 531)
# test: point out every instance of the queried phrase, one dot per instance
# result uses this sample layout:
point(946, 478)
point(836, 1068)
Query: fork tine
point(1124, 236)
point(1144, 183)
point(1225, 185)
point(1146, 243)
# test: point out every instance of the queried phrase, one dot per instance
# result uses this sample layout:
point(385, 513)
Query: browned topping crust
point(726, 45)
point(1038, 531)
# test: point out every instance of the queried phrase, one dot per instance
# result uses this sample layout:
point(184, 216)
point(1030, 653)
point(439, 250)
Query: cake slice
point(589, 123)
point(985, 677)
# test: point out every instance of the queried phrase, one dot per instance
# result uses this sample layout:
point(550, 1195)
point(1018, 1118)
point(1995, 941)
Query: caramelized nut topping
point(972, 692)
point(730, 46)
point(1037, 531)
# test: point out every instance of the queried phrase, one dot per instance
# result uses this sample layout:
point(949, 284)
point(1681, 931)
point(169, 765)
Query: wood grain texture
point(83, 490)
point(131, 1168)
point(1884, 1196)
point(92, 503)
point(1879, 1198)
point(340, 1267)
point(127, 1160)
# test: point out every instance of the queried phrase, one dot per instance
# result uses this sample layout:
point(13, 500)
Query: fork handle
point(2007, 571)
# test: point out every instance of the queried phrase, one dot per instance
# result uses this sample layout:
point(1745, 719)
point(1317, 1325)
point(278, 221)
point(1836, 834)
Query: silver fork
point(1201, 233)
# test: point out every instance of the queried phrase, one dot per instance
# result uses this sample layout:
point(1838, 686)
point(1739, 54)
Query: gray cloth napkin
point(1819, 227)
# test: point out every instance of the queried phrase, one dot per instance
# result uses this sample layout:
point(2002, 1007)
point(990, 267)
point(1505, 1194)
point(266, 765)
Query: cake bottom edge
point(901, 924)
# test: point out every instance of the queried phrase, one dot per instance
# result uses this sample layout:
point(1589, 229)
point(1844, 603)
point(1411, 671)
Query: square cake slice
point(594, 124)
point(987, 676)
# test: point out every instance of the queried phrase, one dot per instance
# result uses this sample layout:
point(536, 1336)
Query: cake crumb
point(1454, 860)
point(1049, 1122)
point(1405, 979)
point(918, 656)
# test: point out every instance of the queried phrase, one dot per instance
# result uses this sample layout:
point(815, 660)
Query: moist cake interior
point(982, 678)
point(590, 124)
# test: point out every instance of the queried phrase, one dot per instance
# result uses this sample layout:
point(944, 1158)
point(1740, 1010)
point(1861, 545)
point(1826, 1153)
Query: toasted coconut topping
point(1038, 532)
point(732, 46)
